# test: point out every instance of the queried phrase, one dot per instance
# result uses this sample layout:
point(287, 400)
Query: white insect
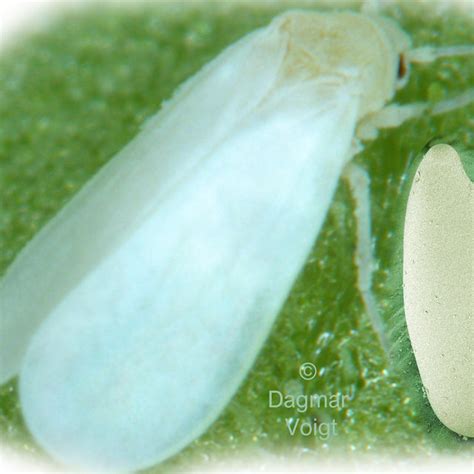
point(135, 314)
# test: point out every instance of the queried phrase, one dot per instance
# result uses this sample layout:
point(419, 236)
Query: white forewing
point(144, 352)
point(108, 209)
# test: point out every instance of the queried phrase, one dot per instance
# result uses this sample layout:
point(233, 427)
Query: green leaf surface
point(74, 94)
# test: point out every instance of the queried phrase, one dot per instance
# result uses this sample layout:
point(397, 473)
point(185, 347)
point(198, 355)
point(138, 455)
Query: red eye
point(402, 66)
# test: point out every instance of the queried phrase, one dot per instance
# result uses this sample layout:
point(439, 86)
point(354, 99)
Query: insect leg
point(359, 183)
point(428, 54)
point(454, 103)
point(393, 115)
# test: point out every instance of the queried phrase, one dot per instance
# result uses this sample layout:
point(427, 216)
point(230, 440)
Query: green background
point(74, 94)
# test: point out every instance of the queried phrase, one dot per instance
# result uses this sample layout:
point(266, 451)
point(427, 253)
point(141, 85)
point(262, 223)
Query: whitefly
point(134, 315)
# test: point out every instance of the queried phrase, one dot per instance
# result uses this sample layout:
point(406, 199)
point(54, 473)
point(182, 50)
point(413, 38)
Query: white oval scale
point(438, 284)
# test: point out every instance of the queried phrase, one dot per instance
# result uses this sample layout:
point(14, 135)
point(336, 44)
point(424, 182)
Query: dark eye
point(402, 66)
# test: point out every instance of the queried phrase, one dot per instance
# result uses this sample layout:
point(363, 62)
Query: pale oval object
point(135, 314)
point(438, 284)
